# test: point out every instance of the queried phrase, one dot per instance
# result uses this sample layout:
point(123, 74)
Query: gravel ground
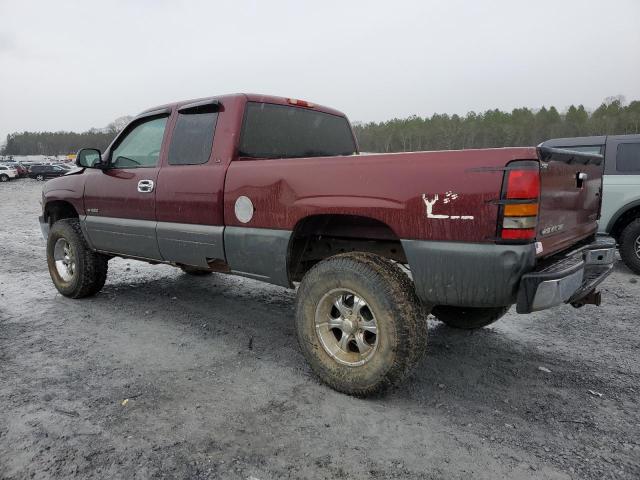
point(166, 375)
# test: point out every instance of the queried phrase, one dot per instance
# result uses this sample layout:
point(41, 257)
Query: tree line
point(62, 143)
point(493, 128)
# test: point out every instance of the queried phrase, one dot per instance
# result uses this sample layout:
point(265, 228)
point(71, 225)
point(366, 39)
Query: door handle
point(145, 186)
point(581, 177)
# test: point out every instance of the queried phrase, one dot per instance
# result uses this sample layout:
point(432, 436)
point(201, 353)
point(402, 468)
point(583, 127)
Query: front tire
point(76, 270)
point(4, 178)
point(359, 323)
point(468, 318)
point(40, 178)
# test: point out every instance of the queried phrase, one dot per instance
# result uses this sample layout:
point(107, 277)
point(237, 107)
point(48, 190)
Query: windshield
point(279, 131)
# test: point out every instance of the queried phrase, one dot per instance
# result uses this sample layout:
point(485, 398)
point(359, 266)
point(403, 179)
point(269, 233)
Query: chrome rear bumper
point(569, 278)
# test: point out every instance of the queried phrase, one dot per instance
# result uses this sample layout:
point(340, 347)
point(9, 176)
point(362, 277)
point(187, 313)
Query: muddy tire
point(359, 323)
point(468, 318)
point(630, 245)
point(196, 272)
point(75, 269)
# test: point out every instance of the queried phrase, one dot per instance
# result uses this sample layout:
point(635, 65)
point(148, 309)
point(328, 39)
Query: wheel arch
point(320, 236)
point(622, 218)
point(55, 210)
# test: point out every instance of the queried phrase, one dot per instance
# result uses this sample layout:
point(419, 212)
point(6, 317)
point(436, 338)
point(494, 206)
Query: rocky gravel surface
point(167, 375)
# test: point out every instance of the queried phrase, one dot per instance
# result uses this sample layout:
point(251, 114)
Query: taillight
point(523, 184)
point(519, 202)
point(300, 103)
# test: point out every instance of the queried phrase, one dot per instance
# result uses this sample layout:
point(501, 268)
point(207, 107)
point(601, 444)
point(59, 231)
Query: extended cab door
point(120, 200)
point(189, 197)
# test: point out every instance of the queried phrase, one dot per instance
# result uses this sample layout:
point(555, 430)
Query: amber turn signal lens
point(521, 210)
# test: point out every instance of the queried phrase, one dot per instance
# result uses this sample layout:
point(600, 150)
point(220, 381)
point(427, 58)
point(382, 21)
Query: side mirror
point(89, 158)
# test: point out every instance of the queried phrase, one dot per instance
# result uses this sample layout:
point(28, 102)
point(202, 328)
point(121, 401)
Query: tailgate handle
point(580, 179)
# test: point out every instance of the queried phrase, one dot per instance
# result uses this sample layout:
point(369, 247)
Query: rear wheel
point(75, 269)
point(630, 245)
point(359, 323)
point(4, 178)
point(196, 272)
point(467, 317)
point(40, 177)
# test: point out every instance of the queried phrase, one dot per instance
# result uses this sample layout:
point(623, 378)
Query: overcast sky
point(75, 65)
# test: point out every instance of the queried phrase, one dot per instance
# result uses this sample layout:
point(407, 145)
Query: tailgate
point(570, 197)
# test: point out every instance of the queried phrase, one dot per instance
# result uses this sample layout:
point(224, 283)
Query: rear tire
point(359, 323)
point(4, 178)
point(630, 245)
point(468, 318)
point(196, 272)
point(76, 270)
point(40, 178)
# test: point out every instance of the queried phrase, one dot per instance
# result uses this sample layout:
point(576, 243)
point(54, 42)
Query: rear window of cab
point(280, 131)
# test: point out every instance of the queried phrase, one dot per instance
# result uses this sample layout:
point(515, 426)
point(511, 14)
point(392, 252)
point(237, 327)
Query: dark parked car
point(43, 172)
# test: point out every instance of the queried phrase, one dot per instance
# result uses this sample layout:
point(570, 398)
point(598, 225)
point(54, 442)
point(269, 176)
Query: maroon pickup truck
point(274, 189)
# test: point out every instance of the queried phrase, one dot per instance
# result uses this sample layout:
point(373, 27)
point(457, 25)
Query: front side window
point(280, 131)
point(141, 146)
point(628, 157)
point(193, 138)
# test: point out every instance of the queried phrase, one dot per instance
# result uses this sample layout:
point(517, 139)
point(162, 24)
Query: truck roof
point(249, 97)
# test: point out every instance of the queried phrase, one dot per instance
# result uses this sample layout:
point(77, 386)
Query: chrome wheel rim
point(636, 246)
point(64, 259)
point(346, 327)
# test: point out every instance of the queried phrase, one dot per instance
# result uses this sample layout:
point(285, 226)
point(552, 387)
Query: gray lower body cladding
point(123, 236)
point(468, 274)
point(190, 244)
point(258, 253)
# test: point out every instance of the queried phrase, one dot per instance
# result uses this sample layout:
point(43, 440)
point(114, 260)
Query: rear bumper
point(567, 279)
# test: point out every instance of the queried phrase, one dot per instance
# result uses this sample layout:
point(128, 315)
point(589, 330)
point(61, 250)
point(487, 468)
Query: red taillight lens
point(520, 196)
point(518, 233)
point(523, 184)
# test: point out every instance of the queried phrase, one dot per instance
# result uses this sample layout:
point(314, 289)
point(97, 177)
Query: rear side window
point(628, 157)
point(279, 131)
point(193, 138)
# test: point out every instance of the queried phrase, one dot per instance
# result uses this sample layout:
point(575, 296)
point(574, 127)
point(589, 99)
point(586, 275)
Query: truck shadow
point(484, 367)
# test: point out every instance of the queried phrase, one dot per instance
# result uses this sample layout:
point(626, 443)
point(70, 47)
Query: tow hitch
point(591, 298)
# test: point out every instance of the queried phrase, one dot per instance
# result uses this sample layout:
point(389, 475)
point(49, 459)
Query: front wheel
point(40, 178)
point(468, 318)
point(359, 323)
point(76, 270)
point(630, 245)
point(4, 178)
